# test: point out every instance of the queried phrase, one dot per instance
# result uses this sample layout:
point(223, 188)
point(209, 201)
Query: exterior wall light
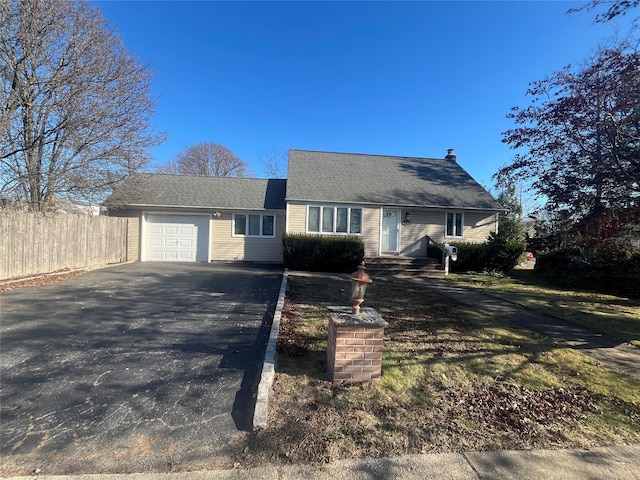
point(407, 218)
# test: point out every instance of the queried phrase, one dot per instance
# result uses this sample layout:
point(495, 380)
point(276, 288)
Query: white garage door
point(177, 238)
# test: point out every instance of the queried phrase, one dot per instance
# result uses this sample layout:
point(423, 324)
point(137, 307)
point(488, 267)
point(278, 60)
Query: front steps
point(404, 266)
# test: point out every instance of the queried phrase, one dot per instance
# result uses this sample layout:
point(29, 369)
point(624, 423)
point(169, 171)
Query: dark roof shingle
point(202, 192)
point(383, 180)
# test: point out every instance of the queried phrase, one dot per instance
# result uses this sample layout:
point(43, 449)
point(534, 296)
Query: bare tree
point(206, 159)
point(75, 105)
point(274, 162)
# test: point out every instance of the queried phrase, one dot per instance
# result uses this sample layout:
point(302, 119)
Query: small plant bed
point(453, 379)
point(617, 317)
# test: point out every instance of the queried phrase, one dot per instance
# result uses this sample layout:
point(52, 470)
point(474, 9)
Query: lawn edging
point(261, 410)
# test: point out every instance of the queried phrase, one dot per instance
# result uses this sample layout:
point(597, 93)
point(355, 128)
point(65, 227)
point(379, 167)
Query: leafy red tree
point(580, 137)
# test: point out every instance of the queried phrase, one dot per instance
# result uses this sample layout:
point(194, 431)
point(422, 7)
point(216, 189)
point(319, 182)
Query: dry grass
point(453, 379)
point(618, 317)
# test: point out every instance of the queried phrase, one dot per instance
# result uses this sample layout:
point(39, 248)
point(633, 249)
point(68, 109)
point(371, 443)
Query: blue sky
point(393, 78)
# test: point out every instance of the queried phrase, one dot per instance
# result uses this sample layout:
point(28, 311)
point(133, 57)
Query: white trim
point(398, 226)
point(246, 224)
point(446, 215)
point(335, 207)
point(390, 205)
point(286, 218)
point(143, 229)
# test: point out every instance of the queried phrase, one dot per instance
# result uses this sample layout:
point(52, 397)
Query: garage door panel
point(155, 255)
point(177, 237)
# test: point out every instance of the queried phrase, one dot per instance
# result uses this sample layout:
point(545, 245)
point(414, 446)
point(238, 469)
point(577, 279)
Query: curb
point(261, 411)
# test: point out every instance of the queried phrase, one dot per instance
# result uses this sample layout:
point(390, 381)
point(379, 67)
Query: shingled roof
point(383, 180)
point(161, 190)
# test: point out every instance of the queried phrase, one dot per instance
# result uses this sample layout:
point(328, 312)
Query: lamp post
point(359, 281)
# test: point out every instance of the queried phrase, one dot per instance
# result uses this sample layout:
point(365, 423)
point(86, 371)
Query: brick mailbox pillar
point(354, 351)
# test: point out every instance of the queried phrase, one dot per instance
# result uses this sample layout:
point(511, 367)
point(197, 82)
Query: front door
point(390, 230)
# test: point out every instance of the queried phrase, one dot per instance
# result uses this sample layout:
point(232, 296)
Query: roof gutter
point(195, 207)
point(399, 205)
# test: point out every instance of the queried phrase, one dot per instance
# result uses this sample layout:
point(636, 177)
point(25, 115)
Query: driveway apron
point(138, 367)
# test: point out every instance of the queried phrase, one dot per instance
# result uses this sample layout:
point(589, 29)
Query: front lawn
point(453, 379)
point(618, 317)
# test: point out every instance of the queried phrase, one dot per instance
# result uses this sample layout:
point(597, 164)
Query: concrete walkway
point(615, 354)
point(613, 463)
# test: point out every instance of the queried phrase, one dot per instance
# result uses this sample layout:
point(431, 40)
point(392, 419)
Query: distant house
point(391, 202)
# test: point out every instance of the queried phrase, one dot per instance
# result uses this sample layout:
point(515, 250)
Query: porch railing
point(431, 241)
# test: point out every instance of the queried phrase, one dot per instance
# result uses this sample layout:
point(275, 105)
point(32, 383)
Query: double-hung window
point(454, 225)
point(324, 219)
point(245, 225)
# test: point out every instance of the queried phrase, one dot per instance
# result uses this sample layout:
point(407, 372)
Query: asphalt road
point(138, 367)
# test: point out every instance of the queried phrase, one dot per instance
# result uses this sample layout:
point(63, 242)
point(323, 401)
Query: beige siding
point(412, 236)
point(134, 246)
point(371, 231)
point(413, 243)
point(370, 224)
point(224, 246)
point(297, 218)
point(133, 239)
point(477, 226)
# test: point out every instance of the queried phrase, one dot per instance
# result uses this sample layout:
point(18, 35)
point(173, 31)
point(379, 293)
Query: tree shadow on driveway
point(140, 367)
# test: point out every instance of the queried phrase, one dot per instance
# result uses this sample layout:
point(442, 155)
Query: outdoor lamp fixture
point(407, 218)
point(217, 214)
point(359, 282)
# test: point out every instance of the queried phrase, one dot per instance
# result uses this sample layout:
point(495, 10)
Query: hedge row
point(322, 253)
point(611, 273)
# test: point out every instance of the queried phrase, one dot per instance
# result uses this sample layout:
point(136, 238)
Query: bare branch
point(274, 162)
point(206, 159)
point(76, 106)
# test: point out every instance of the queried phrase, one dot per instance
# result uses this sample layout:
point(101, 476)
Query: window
point(454, 224)
point(240, 224)
point(345, 220)
point(254, 225)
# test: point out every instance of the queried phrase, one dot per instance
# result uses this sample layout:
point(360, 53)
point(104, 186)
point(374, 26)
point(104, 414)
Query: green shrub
point(471, 258)
point(563, 264)
point(498, 254)
point(619, 274)
point(607, 270)
point(503, 252)
point(322, 253)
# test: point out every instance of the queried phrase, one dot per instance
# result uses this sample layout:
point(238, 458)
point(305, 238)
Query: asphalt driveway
point(139, 367)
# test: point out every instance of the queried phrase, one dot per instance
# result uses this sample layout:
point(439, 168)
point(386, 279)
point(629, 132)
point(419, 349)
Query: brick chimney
point(451, 156)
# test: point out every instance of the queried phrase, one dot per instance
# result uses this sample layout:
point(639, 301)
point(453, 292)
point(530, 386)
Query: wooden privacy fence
point(32, 243)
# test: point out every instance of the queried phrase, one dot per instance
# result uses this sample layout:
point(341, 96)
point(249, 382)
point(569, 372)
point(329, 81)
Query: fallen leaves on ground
point(38, 281)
